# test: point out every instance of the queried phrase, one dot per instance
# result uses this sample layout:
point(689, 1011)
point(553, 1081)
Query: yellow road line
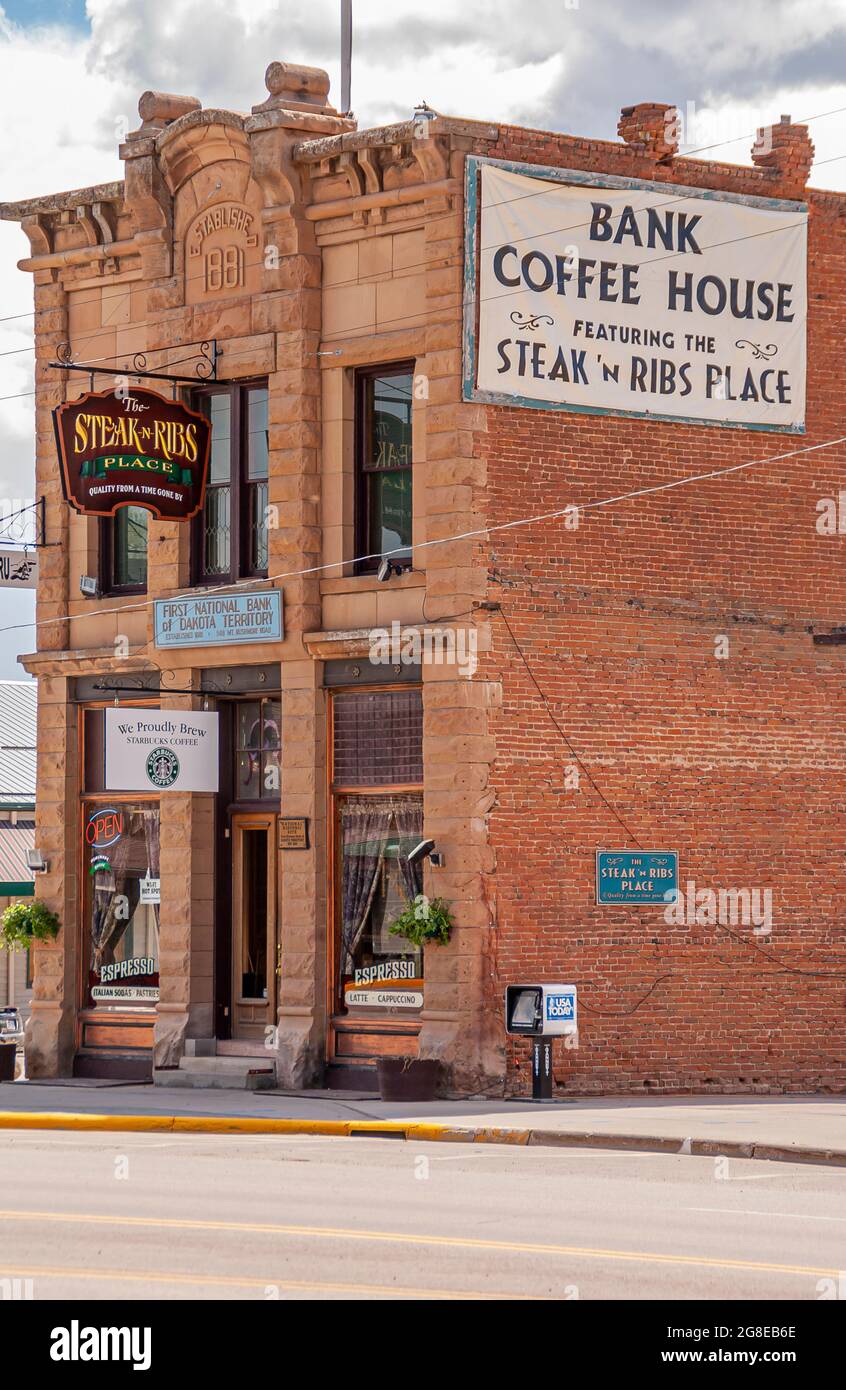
point(237, 1282)
point(413, 1238)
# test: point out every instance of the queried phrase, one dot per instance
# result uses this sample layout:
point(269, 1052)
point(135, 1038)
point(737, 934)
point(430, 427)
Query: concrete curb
point(422, 1133)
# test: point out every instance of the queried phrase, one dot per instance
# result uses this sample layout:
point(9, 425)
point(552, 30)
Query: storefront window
point(258, 741)
point(122, 878)
point(378, 971)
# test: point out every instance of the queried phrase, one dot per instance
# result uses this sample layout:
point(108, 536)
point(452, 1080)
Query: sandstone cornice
point(315, 151)
point(67, 201)
point(94, 661)
point(324, 126)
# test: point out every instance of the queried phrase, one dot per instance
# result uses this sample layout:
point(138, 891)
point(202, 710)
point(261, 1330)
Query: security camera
point(35, 861)
point(421, 851)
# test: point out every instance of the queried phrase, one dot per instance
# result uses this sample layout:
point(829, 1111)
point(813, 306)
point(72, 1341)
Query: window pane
point(122, 878)
point(258, 528)
point(386, 465)
point(378, 738)
point(271, 742)
point(249, 725)
point(389, 445)
point(129, 553)
point(217, 531)
point(257, 441)
point(377, 971)
point(390, 513)
point(220, 413)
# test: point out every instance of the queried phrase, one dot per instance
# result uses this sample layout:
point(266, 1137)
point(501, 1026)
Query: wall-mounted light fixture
point(35, 861)
point(387, 570)
point(426, 850)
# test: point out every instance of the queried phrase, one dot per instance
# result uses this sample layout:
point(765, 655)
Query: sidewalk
point(798, 1128)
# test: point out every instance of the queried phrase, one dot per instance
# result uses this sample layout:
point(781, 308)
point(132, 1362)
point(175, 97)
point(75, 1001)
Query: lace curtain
point(366, 827)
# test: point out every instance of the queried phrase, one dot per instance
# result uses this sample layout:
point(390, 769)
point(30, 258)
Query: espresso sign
point(136, 450)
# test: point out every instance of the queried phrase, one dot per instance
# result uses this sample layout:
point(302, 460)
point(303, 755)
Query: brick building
point(660, 673)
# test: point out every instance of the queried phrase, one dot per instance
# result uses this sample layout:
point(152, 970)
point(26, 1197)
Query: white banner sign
point(18, 569)
point(151, 891)
point(161, 751)
point(645, 302)
point(383, 999)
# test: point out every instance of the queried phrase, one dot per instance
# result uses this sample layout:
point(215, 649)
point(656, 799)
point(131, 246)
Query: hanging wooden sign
point(18, 569)
point(133, 449)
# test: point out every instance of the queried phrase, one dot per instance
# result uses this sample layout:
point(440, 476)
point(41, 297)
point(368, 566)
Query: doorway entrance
point(253, 981)
point(246, 861)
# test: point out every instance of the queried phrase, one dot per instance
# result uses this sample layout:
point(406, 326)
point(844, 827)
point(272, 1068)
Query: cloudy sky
point(71, 72)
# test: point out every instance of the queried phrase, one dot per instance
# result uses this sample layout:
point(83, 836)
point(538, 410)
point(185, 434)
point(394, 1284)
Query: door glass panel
point(122, 885)
point(378, 973)
point(254, 924)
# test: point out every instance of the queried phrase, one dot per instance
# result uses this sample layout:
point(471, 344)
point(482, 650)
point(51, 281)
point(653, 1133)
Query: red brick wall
point(739, 764)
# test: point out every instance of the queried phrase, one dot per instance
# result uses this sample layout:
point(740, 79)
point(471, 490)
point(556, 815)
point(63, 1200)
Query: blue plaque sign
point(219, 619)
point(635, 878)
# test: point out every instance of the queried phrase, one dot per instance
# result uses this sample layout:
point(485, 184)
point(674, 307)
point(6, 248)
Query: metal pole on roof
point(346, 55)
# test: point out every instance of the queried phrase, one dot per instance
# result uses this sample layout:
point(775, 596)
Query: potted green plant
point(21, 924)
point(425, 921)
point(25, 922)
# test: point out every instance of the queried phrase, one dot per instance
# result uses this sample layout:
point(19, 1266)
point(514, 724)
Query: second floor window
point(123, 551)
point(230, 534)
point(384, 397)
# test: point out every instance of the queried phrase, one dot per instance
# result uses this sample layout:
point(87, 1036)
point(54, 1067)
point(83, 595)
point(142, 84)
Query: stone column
point(458, 750)
point(302, 914)
point(51, 1030)
point(186, 915)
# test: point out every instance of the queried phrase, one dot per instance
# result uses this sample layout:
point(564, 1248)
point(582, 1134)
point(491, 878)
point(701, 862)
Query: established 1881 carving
point(218, 244)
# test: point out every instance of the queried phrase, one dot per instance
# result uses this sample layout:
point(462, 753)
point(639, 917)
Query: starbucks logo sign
point(162, 768)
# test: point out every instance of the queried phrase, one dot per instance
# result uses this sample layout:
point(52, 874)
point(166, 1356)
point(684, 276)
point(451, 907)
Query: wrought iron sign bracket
point(205, 366)
point(207, 687)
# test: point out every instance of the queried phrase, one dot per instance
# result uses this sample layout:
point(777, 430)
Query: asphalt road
point(127, 1216)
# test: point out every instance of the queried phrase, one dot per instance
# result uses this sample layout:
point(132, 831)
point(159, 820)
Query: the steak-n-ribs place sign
point(133, 449)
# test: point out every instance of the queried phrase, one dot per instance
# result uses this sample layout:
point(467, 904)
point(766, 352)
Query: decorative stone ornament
point(158, 109)
point(296, 88)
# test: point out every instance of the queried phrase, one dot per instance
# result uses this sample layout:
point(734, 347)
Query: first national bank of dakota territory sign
point(135, 449)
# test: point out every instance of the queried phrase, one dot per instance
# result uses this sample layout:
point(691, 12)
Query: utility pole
point(346, 56)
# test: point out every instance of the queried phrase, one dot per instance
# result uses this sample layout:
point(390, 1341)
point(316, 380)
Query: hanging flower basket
point(425, 920)
point(24, 923)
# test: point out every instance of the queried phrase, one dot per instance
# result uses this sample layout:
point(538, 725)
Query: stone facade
point(307, 248)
